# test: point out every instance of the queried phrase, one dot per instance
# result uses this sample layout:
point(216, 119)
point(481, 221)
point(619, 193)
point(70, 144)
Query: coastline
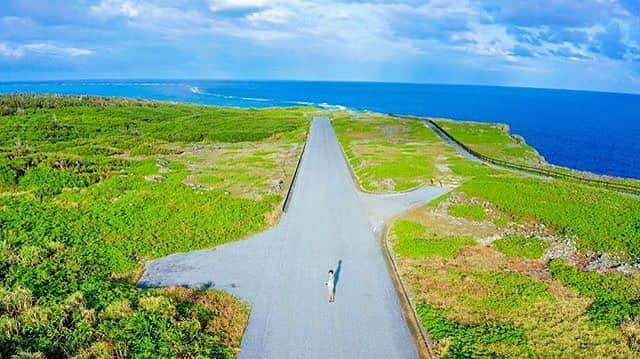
point(570, 135)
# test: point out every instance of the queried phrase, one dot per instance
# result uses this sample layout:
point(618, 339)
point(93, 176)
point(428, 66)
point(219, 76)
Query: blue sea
point(591, 131)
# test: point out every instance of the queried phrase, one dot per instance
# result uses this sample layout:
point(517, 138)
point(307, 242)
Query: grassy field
point(91, 188)
point(493, 140)
point(602, 221)
point(479, 261)
point(388, 154)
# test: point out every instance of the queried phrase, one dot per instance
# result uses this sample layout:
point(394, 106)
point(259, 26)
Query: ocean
point(590, 131)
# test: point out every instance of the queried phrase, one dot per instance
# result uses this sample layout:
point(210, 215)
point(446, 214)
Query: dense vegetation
point(93, 187)
point(603, 221)
point(475, 302)
point(474, 263)
point(517, 245)
point(472, 341)
point(616, 298)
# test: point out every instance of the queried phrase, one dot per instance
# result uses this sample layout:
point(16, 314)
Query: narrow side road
point(281, 272)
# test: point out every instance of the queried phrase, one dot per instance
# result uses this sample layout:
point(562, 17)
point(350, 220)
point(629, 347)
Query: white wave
point(255, 99)
point(327, 106)
point(304, 103)
point(196, 90)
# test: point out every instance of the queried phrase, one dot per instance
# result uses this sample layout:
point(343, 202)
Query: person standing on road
point(330, 284)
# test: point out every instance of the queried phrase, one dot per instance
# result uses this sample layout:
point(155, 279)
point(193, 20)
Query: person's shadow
point(336, 277)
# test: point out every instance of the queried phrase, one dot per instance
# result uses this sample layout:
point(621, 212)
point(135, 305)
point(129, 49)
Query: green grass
point(413, 242)
point(511, 291)
point(470, 211)
point(602, 220)
point(521, 246)
point(616, 298)
point(468, 169)
point(454, 340)
point(390, 154)
point(492, 140)
point(495, 141)
point(76, 226)
point(437, 201)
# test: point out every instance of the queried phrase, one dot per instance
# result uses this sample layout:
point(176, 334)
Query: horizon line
point(97, 79)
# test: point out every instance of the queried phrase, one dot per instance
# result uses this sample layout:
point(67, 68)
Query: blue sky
point(586, 44)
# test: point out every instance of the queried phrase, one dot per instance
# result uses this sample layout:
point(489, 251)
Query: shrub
point(117, 310)
point(631, 331)
point(471, 341)
point(46, 181)
point(616, 297)
point(516, 245)
point(8, 175)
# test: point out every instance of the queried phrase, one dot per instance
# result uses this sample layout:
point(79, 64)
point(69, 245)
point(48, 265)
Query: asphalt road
point(281, 272)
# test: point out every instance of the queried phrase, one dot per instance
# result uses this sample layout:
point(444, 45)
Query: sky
point(574, 44)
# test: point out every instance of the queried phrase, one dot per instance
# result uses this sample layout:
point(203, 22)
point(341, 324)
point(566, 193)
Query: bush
point(471, 341)
point(8, 175)
point(46, 181)
point(521, 246)
point(616, 297)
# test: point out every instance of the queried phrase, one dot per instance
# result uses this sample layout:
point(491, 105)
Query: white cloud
point(8, 51)
point(375, 31)
point(225, 5)
point(351, 29)
point(270, 16)
point(19, 51)
point(113, 8)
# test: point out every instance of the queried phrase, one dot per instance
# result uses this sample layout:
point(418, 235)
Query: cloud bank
point(589, 44)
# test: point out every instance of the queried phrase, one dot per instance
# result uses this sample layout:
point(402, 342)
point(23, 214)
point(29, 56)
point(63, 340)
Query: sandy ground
point(281, 272)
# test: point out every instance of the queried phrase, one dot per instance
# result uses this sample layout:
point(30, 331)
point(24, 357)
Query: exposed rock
point(154, 178)
point(277, 185)
point(163, 165)
point(603, 262)
point(391, 131)
point(564, 248)
point(627, 268)
point(388, 184)
point(489, 240)
point(195, 185)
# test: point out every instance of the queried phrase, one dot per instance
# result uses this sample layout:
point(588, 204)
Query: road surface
point(329, 224)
